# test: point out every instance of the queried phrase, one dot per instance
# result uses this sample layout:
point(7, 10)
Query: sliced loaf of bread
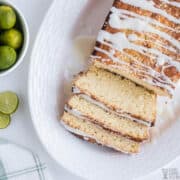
point(84, 109)
point(95, 133)
point(140, 41)
point(117, 93)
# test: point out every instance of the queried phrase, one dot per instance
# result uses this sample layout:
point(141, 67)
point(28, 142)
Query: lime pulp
point(8, 102)
point(4, 120)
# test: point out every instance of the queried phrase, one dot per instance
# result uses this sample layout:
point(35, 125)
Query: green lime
point(12, 38)
point(7, 57)
point(8, 102)
point(4, 120)
point(7, 17)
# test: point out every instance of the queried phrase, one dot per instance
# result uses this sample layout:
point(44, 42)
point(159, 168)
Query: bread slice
point(80, 107)
point(101, 136)
point(140, 41)
point(117, 93)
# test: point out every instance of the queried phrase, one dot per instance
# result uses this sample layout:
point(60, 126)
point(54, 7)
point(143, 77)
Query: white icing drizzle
point(119, 41)
point(124, 19)
point(141, 17)
point(101, 105)
point(138, 23)
point(173, 3)
point(74, 112)
point(150, 6)
point(75, 131)
point(159, 83)
point(75, 90)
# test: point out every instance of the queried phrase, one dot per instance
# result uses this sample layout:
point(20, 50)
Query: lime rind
point(8, 102)
point(7, 17)
point(8, 57)
point(12, 37)
point(4, 120)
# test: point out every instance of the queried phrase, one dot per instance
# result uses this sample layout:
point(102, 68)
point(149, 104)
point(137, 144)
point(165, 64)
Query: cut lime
point(8, 102)
point(4, 120)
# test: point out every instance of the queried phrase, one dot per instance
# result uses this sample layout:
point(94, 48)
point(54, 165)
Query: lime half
point(8, 102)
point(4, 120)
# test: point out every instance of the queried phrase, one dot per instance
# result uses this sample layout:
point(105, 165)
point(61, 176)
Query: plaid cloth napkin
point(19, 163)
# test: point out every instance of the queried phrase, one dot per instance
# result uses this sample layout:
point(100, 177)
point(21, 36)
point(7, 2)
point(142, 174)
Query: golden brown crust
point(133, 76)
point(148, 40)
point(174, 11)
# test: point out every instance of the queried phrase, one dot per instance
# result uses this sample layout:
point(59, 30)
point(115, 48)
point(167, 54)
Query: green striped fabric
point(17, 162)
point(2, 172)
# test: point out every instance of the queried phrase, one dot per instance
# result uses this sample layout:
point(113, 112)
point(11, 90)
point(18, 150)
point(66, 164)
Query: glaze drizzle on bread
point(141, 42)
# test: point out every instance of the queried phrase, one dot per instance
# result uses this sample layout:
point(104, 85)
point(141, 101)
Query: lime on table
point(7, 57)
point(7, 17)
point(8, 102)
point(4, 120)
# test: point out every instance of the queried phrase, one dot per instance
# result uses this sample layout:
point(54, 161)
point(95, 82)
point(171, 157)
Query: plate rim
point(46, 149)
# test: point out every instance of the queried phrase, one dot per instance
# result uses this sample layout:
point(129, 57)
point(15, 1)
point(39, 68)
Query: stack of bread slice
point(114, 101)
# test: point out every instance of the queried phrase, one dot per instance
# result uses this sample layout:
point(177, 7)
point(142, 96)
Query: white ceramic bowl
point(24, 28)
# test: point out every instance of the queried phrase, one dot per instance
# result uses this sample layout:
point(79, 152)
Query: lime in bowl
point(14, 37)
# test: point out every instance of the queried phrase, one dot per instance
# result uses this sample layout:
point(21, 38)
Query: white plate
point(52, 60)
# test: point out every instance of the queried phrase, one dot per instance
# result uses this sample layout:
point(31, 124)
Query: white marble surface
point(21, 129)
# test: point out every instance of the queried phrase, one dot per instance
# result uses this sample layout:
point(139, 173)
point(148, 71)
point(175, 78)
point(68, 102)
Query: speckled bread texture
point(140, 41)
point(117, 93)
point(120, 125)
point(99, 135)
